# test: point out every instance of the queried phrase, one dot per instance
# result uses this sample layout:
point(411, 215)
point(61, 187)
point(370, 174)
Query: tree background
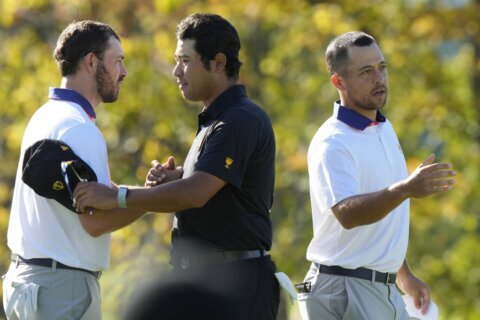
point(432, 48)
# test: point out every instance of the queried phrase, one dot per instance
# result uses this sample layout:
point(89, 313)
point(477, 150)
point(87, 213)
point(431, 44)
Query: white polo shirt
point(41, 227)
point(349, 156)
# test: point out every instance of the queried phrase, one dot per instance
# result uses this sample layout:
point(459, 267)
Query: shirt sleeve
point(89, 144)
point(229, 147)
point(333, 175)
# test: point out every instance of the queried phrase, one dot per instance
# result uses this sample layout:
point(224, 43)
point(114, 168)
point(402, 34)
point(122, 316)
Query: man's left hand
point(161, 173)
point(415, 288)
point(95, 195)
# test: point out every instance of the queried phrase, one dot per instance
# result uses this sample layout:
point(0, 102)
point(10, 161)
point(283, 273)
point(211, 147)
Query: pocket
point(21, 298)
point(94, 310)
point(310, 278)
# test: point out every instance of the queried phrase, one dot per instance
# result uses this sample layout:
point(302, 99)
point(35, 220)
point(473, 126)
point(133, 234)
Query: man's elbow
point(348, 225)
point(197, 202)
point(346, 222)
point(197, 198)
point(95, 230)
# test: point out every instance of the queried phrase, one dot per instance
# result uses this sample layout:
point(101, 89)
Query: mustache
point(379, 88)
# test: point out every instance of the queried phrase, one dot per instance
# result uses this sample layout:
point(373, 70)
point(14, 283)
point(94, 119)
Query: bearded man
point(58, 255)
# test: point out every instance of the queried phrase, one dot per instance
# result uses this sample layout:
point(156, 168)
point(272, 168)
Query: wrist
point(122, 196)
point(400, 190)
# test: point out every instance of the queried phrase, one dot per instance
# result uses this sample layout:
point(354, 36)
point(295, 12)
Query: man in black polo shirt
point(222, 231)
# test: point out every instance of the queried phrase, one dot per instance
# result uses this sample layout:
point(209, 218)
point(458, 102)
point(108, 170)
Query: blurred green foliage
point(433, 53)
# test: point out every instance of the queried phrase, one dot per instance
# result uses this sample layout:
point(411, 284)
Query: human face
point(194, 81)
point(365, 81)
point(110, 72)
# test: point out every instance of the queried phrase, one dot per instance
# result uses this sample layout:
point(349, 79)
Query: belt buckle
point(387, 280)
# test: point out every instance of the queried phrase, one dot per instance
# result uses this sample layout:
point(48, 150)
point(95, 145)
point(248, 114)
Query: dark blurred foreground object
point(178, 300)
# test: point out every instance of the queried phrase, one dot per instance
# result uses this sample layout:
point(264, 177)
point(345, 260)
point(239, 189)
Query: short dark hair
point(337, 50)
point(212, 34)
point(77, 40)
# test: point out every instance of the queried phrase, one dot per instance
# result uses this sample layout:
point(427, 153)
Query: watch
point(122, 196)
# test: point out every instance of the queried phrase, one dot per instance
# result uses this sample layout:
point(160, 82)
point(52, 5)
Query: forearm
point(414, 287)
point(369, 208)
point(192, 192)
point(403, 273)
point(105, 221)
point(170, 197)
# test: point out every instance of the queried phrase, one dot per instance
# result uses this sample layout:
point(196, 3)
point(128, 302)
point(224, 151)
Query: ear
point(337, 81)
point(220, 62)
point(90, 62)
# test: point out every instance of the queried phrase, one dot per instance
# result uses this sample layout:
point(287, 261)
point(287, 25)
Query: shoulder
point(245, 112)
point(333, 132)
point(331, 138)
point(55, 119)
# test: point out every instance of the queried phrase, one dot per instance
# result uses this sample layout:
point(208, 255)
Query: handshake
point(161, 173)
point(96, 195)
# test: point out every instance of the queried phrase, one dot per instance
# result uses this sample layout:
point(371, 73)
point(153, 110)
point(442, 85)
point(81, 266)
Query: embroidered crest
point(57, 186)
point(228, 162)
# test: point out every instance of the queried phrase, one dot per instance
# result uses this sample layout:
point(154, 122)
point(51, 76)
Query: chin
point(190, 97)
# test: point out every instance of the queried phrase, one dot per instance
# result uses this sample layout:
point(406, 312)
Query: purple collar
point(355, 119)
point(72, 96)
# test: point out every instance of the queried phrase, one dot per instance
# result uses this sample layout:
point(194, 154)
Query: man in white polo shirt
point(57, 255)
point(360, 190)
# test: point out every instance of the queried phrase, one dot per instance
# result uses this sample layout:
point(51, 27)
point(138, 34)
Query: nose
point(123, 71)
point(177, 71)
point(380, 76)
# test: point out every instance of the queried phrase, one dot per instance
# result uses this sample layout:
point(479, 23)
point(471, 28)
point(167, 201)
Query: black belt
point(47, 262)
point(361, 273)
point(186, 262)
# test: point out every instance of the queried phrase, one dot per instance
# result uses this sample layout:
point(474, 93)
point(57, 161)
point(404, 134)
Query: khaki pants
point(336, 297)
point(40, 293)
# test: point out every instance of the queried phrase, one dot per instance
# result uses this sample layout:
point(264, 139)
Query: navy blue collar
point(220, 104)
point(225, 99)
point(72, 96)
point(355, 119)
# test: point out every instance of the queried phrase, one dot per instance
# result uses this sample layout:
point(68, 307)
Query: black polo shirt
point(234, 142)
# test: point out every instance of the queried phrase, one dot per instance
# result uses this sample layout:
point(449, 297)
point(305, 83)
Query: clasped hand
point(161, 173)
point(99, 196)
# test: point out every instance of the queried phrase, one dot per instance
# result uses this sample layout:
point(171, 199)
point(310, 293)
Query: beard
point(106, 88)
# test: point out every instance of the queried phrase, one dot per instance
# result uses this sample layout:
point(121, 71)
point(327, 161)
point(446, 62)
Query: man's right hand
point(429, 178)
point(161, 173)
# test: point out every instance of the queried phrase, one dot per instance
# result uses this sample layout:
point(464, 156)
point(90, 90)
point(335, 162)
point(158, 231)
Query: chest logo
point(57, 186)
point(228, 162)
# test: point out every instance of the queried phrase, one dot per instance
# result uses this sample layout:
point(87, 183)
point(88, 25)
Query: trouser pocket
point(19, 297)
